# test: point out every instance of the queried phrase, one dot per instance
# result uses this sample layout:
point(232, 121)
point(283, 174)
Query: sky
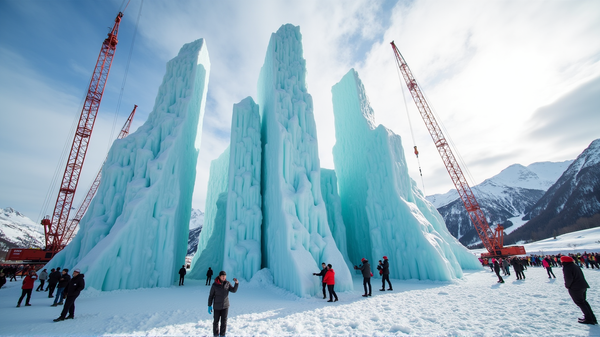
point(510, 81)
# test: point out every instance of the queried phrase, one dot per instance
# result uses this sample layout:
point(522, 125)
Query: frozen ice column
point(296, 236)
point(210, 243)
point(333, 204)
point(134, 234)
point(383, 210)
point(242, 257)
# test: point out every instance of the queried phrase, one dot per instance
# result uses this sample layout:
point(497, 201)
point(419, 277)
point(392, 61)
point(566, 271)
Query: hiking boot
point(383, 289)
point(369, 294)
point(59, 319)
point(27, 304)
point(330, 301)
point(592, 322)
point(54, 305)
point(324, 297)
point(390, 289)
point(365, 295)
point(70, 317)
point(335, 300)
point(60, 303)
point(18, 305)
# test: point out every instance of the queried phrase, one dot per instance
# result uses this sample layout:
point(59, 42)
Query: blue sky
point(512, 81)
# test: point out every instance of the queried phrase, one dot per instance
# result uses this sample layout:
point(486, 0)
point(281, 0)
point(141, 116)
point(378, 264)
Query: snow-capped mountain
point(196, 223)
point(17, 230)
point(504, 198)
point(575, 196)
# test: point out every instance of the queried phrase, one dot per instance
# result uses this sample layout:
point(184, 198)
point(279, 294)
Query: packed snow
point(475, 305)
point(384, 212)
point(136, 229)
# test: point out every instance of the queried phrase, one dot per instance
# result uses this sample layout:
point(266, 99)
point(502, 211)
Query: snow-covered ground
point(474, 306)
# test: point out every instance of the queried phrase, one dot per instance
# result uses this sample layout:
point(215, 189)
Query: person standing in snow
point(505, 267)
point(63, 282)
point(497, 270)
point(577, 285)
point(182, 273)
point(219, 295)
point(330, 280)
point(546, 264)
point(74, 287)
point(209, 275)
point(366, 273)
point(385, 274)
point(43, 277)
point(53, 281)
point(322, 274)
point(27, 288)
point(2, 280)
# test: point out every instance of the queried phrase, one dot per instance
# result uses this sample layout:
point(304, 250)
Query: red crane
point(56, 227)
point(70, 230)
point(493, 242)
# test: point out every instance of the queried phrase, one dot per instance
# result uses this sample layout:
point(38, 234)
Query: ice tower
point(384, 212)
point(296, 236)
point(134, 234)
point(333, 204)
point(212, 236)
point(233, 205)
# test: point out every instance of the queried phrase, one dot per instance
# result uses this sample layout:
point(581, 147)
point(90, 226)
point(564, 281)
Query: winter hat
point(363, 259)
point(566, 259)
point(77, 271)
point(222, 272)
point(385, 257)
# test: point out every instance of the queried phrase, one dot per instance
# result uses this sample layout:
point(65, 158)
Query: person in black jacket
point(577, 285)
point(63, 282)
point(366, 273)
point(322, 274)
point(182, 273)
point(209, 274)
point(2, 280)
point(219, 295)
point(74, 287)
point(497, 270)
point(385, 275)
point(53, 281)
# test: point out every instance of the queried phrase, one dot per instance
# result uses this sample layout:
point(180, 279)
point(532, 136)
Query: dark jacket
point(63, 282)
point(386, 267)
point(182, 271)
point(2, 281)
point(54, 277)
point(365, 269)
point(75, 286)
point(209, 273)
point(496, 266)
point(219, 294)
point(574, 279)
point(322, 274)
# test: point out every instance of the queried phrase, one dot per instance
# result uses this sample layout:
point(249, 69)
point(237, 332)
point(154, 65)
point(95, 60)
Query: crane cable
point(112, 132)
point(411, 129)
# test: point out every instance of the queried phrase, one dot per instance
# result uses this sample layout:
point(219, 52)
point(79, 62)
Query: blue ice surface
point(296, 235)
point(210, 241)
point(384, 211)
point(329, 190)
point(134, 234)
point(233, 205)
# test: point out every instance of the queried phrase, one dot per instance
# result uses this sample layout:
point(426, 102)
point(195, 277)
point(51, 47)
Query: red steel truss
point(493, 242)
point(56, 228)
point(70, 230)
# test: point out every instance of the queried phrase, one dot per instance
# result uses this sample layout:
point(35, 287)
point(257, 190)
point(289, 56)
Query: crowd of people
point(571, 265)
point(67, 288)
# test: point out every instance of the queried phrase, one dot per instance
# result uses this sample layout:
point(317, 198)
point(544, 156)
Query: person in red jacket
point(27, 287)
point(330, 280)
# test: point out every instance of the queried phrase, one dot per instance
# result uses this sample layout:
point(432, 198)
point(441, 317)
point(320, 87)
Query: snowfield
point(473, 306)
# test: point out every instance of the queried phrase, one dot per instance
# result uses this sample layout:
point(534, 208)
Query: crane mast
point(56, 227)
point(493, 242)
point(70, 230)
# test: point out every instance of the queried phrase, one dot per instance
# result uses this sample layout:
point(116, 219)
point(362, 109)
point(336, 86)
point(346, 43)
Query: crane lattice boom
point(492, 242)
point(56, 227)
